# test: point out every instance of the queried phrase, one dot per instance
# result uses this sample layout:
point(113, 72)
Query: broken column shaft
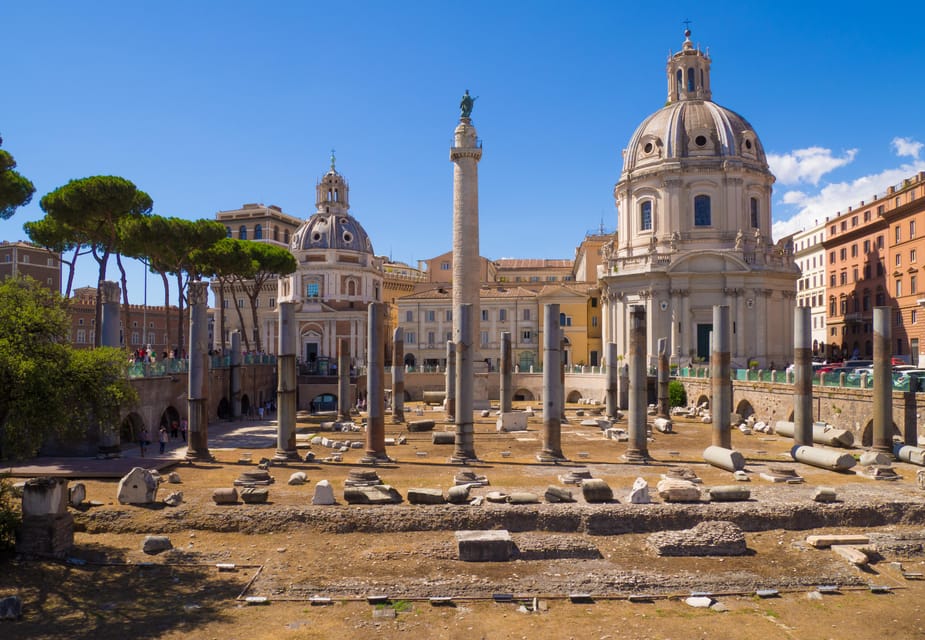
point(552, 386)
point(450, 381)
point(664, 410)
point(286, 384)
point(465, 449)
point(198, 390)
point(883, 381)
point(375, 392)
point(234, 378)
point(506, 391)
point(612, 380)
point(802, 377)
point(398, 375)
point(343, 379)
point(720, 372)
point(637, 449)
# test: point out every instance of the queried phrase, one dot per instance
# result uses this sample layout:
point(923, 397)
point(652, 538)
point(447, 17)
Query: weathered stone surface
point(443, 437)
point(662, 425)
point(484, 546)
point(362, 478)
point(298, 478)
point(376, 494)
point(497, 497)
point(711, 538)
point(640, 492)
point(676, 490)
point(10, 608)
point(699, 602)
point(778, 473)
point(511, 421)
point(421, 425)
point(852, 554)
point(470, 478)
point(596, 490)
point(425, 496)
point(46, 535)
point(156, 544)
point(458, 494)
point(44, 497)
point(76, 494)
point(729, 493)
point(827, 540)
point(682, 473)
point(173, 478)
point(255, 495)
point(225, 496)
point(558, 494)
point(324, 493)
point(174, 499)
point(139, 486)
point(523, 497)
point(825, 494)
point(254, 477)
point(575, 476)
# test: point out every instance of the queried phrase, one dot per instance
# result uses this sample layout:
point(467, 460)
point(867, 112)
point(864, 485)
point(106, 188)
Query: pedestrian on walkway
point(162, 438)
point(143, 441)
point(183, 428)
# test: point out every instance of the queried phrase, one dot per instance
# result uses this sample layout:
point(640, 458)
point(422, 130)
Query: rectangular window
point(526, 314)
point(593, 321)
point(444, 266)
point(899, 287)
point(151, 339)
point(51, 262)
point(272, 303)
point(899, 233)
point(312, 290)
point(240, 303)
point(843, 277)
point(409, 316)
point(867, 216)
point(25, 259)
point(913, 284)
point(912, 255)
point(854, 250)
point(832, 280)
point(431, 338)
point(409, 337)
point(854, 274)
point(843, 253)
point(484, 337)
point(224, 304)
point(431, 317)
point(593, 303)
point(854, 221)
point(449, 315)
point(911, 229)
point(526, 335)
point(484, 315)
point(502, 315)
point(81, 336)
point(754, 212)
point(645, 215)
point(702, 211)
point(899, 260)
point(831, 257)
point(914, 316)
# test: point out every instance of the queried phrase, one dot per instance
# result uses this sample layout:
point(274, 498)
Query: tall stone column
point(507, 370)
point(637, 449)
point(465, 447)
point(110, 444)
point(343, 380)
point(562, 354)
point(287, 384)
point(802, 377)
point(612, 378)
point(552, 386)
point(450, 381)
point(686, 328)
point(235, 377)
point(375, 391)
point(721, 403)
point(398, 375)
point(883, 381)
point(664, 371)
point(465, 155)
point(198, 392)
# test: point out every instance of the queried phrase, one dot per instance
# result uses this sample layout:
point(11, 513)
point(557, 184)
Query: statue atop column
point(466, 104)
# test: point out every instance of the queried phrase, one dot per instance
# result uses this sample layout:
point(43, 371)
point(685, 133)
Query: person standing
point(162, 438)
point(143, 441)
point(183, 428)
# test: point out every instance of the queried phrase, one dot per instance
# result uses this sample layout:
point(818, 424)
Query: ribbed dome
point(339, 231)
point(693, 129)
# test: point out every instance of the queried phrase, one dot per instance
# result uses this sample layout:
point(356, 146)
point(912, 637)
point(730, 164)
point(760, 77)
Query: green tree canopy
point(15, 189)
point(59, 239)
point(267, 261)
point(48, 388)
point(223, 261)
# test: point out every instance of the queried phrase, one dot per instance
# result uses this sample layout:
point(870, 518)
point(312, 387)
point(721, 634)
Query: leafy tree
point(268, 261)
point(93, 208)
point(48, 388)
point(58, 239)
point(222, 262)
point(15, 189)
point(677, 395)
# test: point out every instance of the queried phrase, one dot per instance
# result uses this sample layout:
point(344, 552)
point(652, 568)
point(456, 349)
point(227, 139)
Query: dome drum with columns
point(338, 275)
point(694, 228)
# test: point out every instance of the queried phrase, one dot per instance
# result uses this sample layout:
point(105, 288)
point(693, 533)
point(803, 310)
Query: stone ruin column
point(562, 418)
point(343, 380)
point(506, 373)
point(398, 375)
point(110, 444)
point(198, 394)
point(450, 381)
point(235, 376)
point(720, 372)
point(883, 381)
point(802, 377)
point(375, 391)
point(465, 446)
point(612, 377)
point(47, 527)
point(637, 449)
point(287, 384)
point(664, 373)
point(552, 386)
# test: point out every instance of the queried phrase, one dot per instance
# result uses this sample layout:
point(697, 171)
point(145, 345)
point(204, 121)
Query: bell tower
point(332, 193)
point(688, 73)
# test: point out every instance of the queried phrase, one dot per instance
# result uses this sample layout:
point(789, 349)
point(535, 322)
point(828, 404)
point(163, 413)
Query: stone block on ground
point(324, 493)
point(729, 493)
point(362, 478)
point(225, 496)
point(173, 477)
point(596, 490)
point(523, 497)
point(174, 499)
point(156, 544)
point(852, 554)
point(44, 497)
point(874, 457)
point(458, 494)
point(47, 535)
point(443, 437)
point(255, 495)
point(76, 494)
point(470, 478)
point(711, 538)
point(139, 486)
point(575, 476)
point(256, 477)
point(640, 492)
point(484, 546)
point(827, 540)
point(421, 425)
point(298, 478)
point(511, 421)
point(497, 497)
point(781, 474)
point(376, 494)
point(825, 494)
point(682, 473)
point(662, 425)
point(425, 496)
point(676, 490)
point(558, 494)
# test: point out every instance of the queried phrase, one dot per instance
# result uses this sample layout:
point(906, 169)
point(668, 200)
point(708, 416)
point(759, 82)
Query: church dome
point(339, 231)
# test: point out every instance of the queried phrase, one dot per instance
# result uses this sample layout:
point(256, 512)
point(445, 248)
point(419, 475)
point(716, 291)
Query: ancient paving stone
point(711, 538)
point(485, 546)
point(425, 496)
point(376, 494)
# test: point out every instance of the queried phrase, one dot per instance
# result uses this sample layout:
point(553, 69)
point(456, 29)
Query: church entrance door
point(703, 340)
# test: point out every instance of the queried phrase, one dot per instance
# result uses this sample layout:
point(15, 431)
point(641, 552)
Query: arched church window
point(351, 287)
point(753, 202)
point(702, 211)
point(258, 232)
point(690, 80)
point(242, 233)
point(336, 195)
point(679, 83)
point(330, 195)
point(275, 233)
point(645, 215)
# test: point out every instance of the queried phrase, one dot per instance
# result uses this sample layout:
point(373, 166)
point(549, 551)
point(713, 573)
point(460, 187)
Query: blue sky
point(208, 105)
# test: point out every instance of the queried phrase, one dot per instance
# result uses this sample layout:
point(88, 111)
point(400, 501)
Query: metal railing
point(172, 366)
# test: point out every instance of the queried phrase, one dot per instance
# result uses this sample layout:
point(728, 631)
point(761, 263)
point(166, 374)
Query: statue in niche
point(675, 240)
point(759, 239)
point(740, 240)
point(653, 243)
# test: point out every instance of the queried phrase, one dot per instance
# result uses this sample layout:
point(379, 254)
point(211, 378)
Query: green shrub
point(677, 396)
point(9, 514)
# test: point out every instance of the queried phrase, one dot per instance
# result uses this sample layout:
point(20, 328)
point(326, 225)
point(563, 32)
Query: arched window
point(286, 236)
point(242, 233)
point(690, 80)
point(336, 195)
point(645, 215)
point(702, 211)
point(258, 232)
point(351, 287)
point(679, 83)
point(753, 202)
point(275, 233)
point(227, 232)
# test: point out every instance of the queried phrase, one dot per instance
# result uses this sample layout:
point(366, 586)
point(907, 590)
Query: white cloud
point(838, 196)
point(807, 165)
point(907, 147)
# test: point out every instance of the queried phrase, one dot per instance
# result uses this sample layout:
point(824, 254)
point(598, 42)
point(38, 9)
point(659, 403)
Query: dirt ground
point(290, 551)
